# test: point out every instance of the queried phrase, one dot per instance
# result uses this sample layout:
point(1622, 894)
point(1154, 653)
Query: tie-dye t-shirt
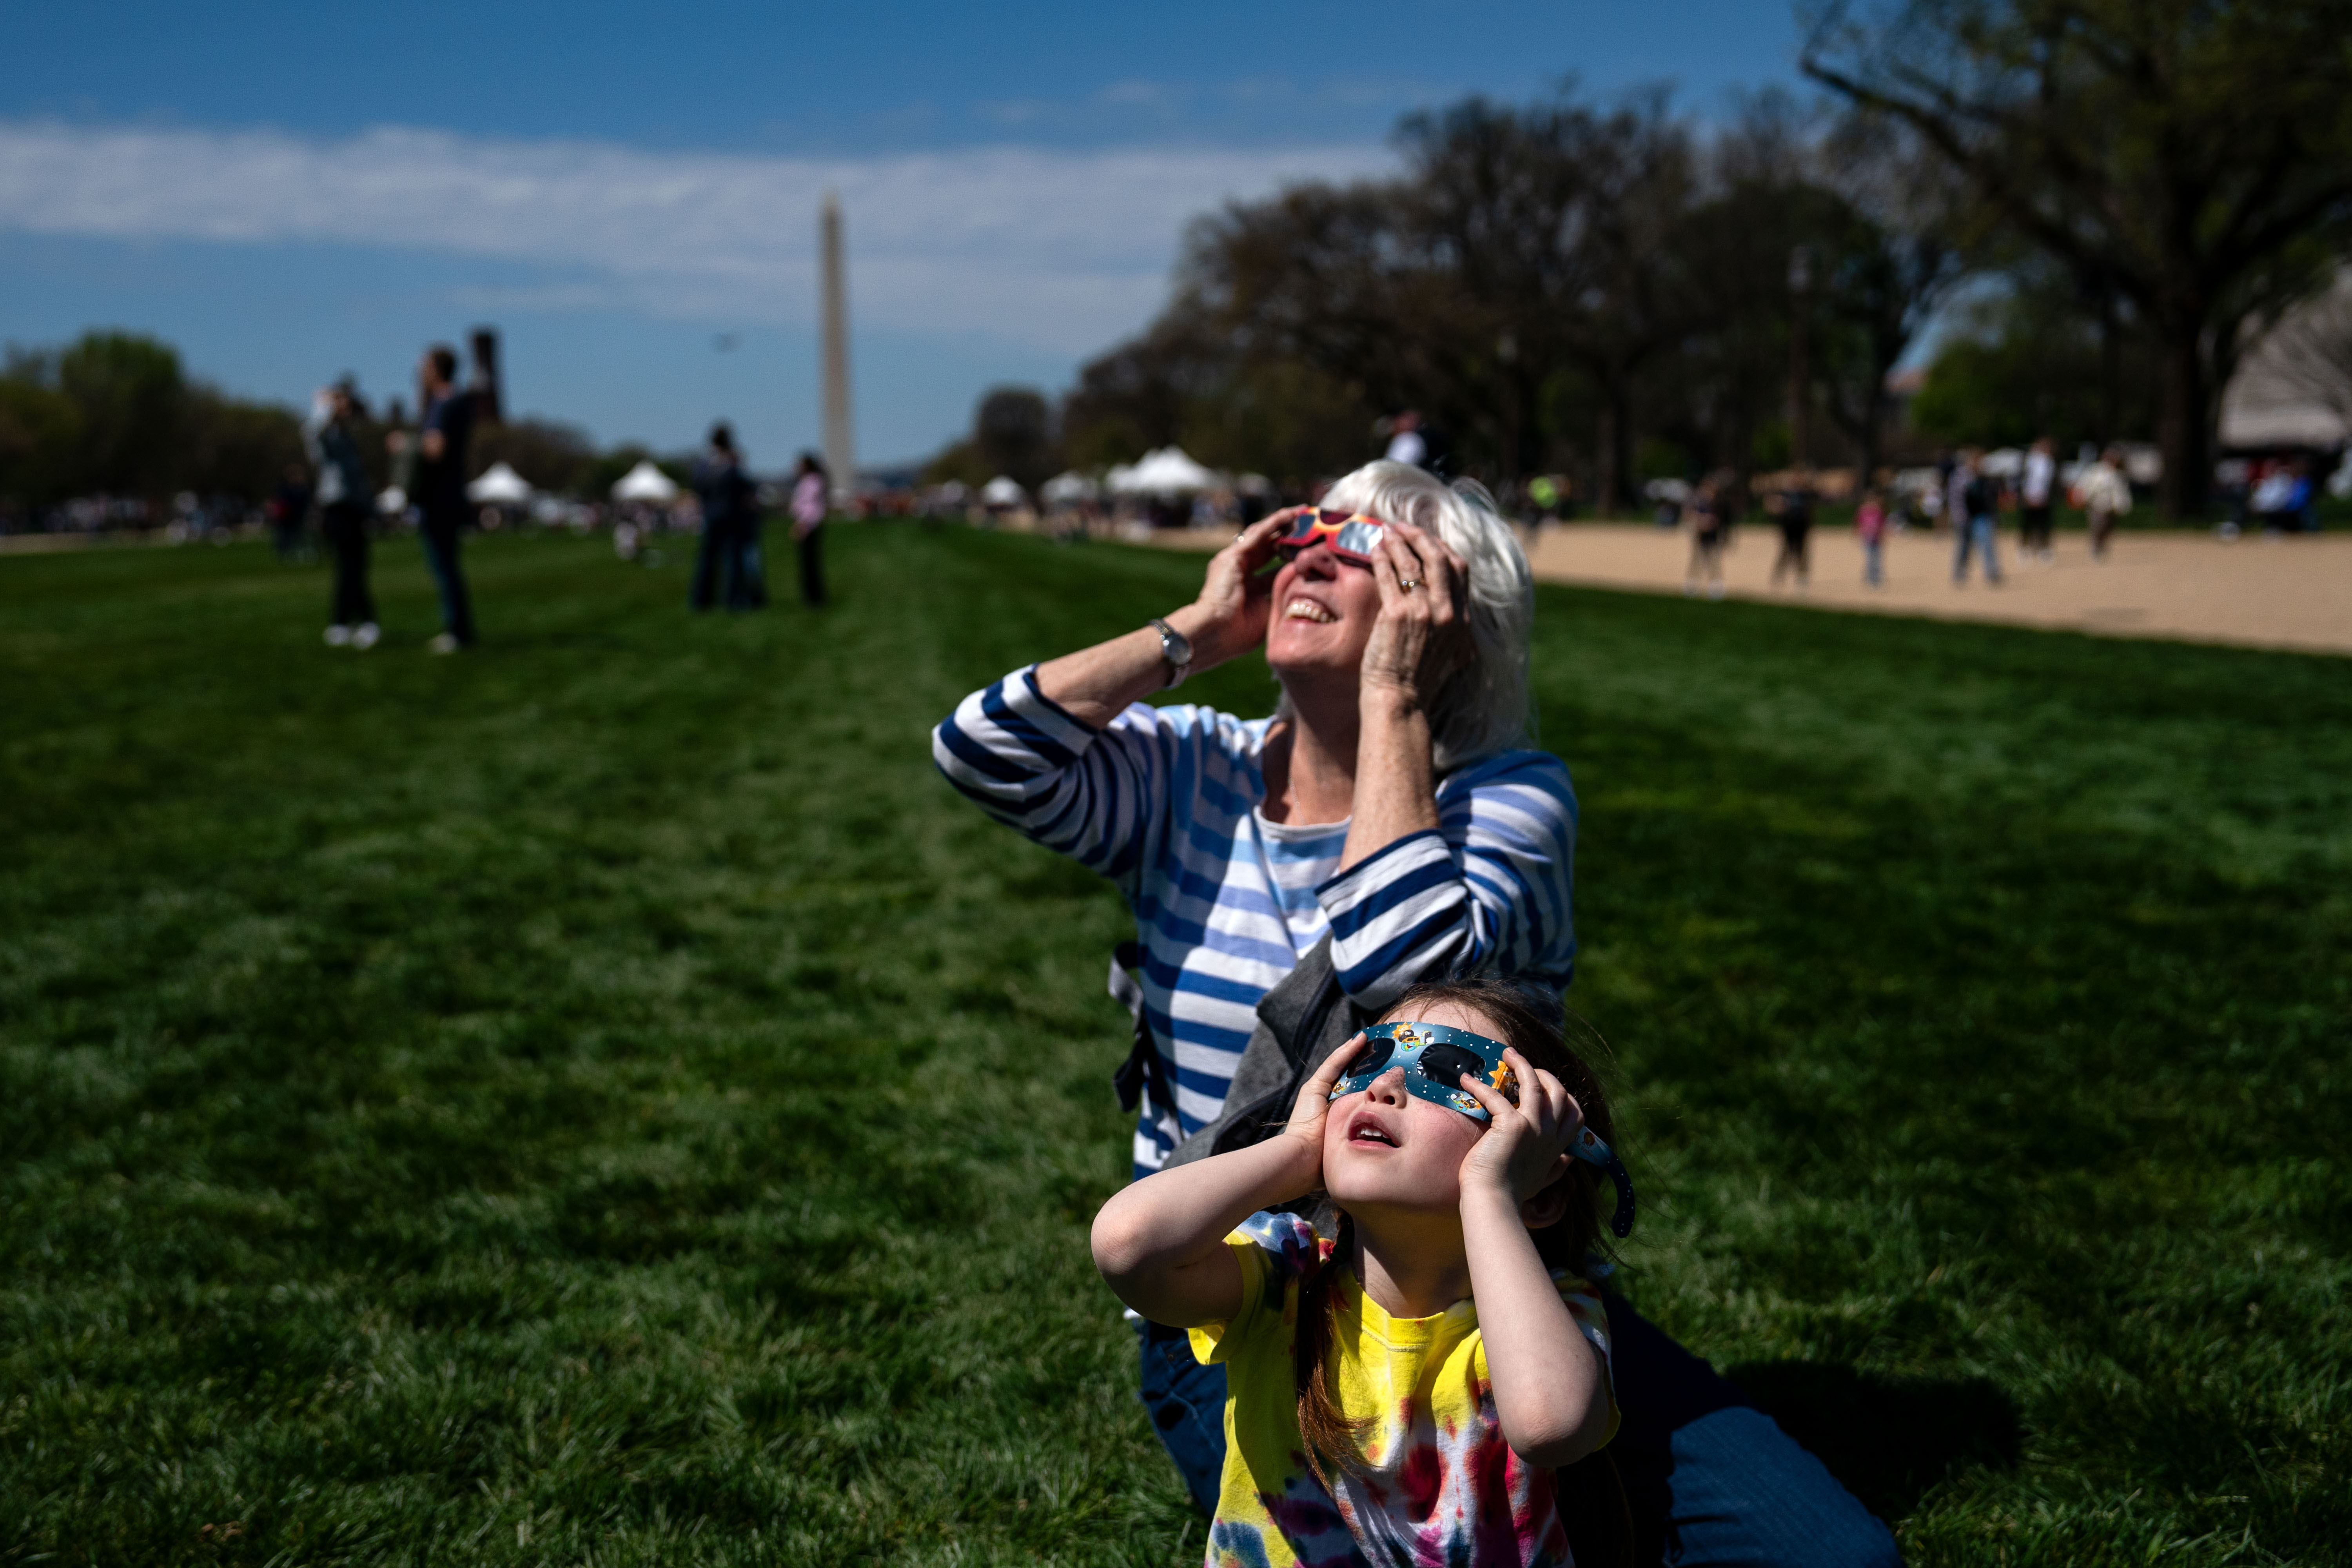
point(1439, 1484)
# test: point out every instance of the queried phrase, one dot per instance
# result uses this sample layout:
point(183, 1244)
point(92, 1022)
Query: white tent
point(1167, 471)
point(645, 482)
point(1002, 492)
point(501, 483)
point(1068, 489)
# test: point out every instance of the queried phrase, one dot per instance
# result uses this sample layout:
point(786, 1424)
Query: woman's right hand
point(1229, 616)
point(1094, 685)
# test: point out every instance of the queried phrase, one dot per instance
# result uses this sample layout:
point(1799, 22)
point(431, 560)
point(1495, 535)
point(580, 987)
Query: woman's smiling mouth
point(1305, 609)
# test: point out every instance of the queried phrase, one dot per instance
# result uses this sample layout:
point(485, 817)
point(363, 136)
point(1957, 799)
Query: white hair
point(1483, 707)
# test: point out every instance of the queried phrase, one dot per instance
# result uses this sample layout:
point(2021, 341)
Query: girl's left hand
point(1525, 1147)
point(1420, 637)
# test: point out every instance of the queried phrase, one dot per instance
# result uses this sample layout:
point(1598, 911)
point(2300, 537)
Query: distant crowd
point(429, 487)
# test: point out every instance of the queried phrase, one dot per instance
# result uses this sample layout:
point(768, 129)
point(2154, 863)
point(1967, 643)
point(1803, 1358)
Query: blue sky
point(290, 191)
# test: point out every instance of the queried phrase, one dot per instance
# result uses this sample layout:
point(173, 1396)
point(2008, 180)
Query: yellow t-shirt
point(1439, 1484)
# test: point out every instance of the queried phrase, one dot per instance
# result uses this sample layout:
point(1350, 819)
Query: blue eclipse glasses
point(1436, 1058)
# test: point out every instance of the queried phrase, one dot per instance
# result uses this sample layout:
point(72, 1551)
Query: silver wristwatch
point(1177, 649)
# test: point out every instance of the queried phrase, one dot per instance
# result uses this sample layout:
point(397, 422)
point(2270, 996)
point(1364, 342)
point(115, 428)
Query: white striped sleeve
point(1485, 892)
point(1096, 795)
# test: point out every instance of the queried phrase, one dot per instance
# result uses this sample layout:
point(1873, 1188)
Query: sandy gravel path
point(2290, 593)
point(2260, 593)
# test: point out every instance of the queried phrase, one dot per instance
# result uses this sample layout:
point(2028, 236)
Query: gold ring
point(1408, 583)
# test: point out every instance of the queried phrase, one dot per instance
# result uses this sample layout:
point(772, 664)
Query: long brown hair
point(1519, 1019)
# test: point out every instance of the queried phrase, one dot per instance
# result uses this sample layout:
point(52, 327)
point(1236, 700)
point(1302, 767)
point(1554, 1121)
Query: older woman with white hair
point(1392, 804)
point(1388, 802)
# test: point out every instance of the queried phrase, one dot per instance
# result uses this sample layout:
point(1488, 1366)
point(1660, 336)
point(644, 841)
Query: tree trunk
point(2111, 370)
point(1872, 423)
point(1885, 353)
point(2183, 430)
point(1604, 454)
point(1532, 446)
point(1621, 442)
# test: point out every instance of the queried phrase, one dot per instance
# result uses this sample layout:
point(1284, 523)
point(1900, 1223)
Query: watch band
point(1177, 649)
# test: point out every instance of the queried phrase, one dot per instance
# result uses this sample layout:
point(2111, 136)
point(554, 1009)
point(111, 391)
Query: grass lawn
point(605, 1099)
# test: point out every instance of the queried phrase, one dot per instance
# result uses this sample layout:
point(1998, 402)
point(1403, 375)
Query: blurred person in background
point(2105, 495)
point(290, 509)
point(1973, 500)
point(445, 431)
point(343, 512)
point(1702, 517)
point(1793, 510)
point(730, 529)
point(1389, 823)
point(2035, 488)
point(1413, 441)
point(810, 497)
point(1406, 443)
point(2282, 497)
point(1870, 527)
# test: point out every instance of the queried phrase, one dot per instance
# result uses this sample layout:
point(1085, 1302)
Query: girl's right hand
point(1312, 1109)
point(1236, 595)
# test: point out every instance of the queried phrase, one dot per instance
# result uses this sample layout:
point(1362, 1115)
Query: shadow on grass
point(1886, 1439)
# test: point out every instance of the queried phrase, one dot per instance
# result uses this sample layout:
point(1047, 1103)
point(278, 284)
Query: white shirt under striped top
point(1164, 802)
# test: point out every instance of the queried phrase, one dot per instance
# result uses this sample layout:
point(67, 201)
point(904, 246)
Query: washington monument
point(840, 440)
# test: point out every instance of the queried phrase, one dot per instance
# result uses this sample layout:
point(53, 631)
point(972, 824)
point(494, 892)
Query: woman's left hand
point(1525, 1147)
point(1421, 638)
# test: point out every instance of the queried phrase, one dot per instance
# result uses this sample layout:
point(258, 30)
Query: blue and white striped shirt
point(1164, 802)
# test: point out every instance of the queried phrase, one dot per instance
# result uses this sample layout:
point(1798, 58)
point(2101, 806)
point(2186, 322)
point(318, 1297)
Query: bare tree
point(2311, 350)
point(1523, 245)
point(1643, 296)
point(2195, 157)
point(1891, 260)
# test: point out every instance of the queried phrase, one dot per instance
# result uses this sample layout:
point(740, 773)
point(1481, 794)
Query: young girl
point(1870, 523)
point(1402, 1394)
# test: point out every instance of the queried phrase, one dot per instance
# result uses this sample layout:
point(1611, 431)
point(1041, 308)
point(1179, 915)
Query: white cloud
point(1059, 252)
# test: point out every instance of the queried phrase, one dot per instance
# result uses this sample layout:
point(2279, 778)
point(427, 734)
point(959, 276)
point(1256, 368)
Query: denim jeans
point(746, 584)
point(1710, 1478)
point(712, 560)
point(727, 568)
point(1187, 1402)
point(1978, 532)
point(439, 534)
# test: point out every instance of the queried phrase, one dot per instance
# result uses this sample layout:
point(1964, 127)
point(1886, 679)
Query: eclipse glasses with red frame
point(1352, 536)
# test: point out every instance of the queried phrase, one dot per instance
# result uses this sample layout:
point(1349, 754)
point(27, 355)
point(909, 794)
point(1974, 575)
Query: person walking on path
point(342, 489)
point(730, 523)
point(1793, 509)
point(1870, 527)
point(1975, 506)
point(2105, 495)
point(1388, 823)
point(1703, 516)
point(811, 496)
point(2035, 493)
point(444, 434)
